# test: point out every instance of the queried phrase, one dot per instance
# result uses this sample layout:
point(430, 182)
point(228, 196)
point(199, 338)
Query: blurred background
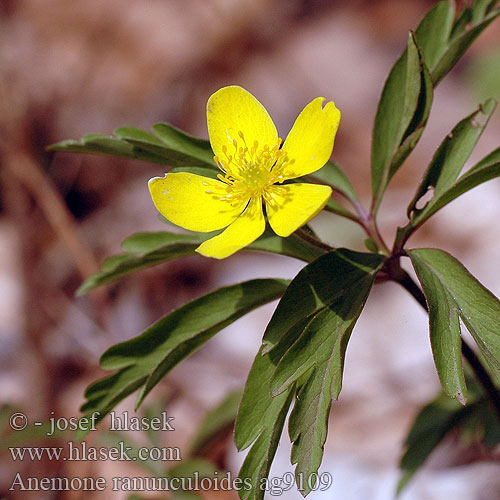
point(89, 66)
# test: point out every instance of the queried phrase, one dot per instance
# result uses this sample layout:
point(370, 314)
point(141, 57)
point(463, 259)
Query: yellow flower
point(254, 166)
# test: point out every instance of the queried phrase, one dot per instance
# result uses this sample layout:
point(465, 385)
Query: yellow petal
point(232, 110)
point(294, 205)
point(243, 231)
point(310, 142)
point(182, 198)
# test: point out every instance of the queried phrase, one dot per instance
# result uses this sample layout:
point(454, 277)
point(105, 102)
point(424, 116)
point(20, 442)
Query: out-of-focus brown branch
point(43, 191)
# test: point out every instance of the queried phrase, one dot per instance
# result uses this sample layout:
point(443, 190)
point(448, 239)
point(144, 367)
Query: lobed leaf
point(168, 146)
point(149, 249)
point(469, 25)
point(255, 469)
point(450, 158)
point(319, 285)
point(439, 42)
point(445, 334)
point(151, 355)
point(307, 341)
point(488, 168)
point(261, 418)
point(401, 115)
point(142, 250)
point(442, 276)
point(434, 31)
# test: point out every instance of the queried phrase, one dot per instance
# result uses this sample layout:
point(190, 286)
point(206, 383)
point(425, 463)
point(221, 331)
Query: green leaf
point(315, 361)
point(476, 422)
point(480, 9)
point(332, 290)
point(144, 360)
point(445, 333)
point(203, 171)
point(143, 250)
point(180, 141)
point(450, 158)
point(149, 249)
point(319, 285)
point(255, 469)
point(168, 146)
point(215, 422)
point(434, 31)
point(476, 306)
point(335, 177)
point(488, 168)
point(323, 341)
point(466, 29)
point(401, 115)
point(258, 409)
point(431, 425)
point(439, 45)
point(261, 418)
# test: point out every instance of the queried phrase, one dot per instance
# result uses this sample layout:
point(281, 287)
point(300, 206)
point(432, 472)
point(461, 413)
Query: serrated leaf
point(323, 341)
point(258, 409)
point(401, 114)
point(333, 290)
point(476, 306)
point(171, 339)
point(255, 469)
point(315, 361)
point(261, 418)
point(168, 146)
point(319, 285)
point(450, 157)
point(150, 249)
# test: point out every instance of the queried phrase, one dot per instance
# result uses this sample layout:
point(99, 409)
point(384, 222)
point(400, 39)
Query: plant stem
point(369, 224)
point(399, 275)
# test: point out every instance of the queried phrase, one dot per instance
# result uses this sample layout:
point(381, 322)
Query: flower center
point(249, 172)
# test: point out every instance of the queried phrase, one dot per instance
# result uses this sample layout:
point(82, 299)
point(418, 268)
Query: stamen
point(251, 171)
